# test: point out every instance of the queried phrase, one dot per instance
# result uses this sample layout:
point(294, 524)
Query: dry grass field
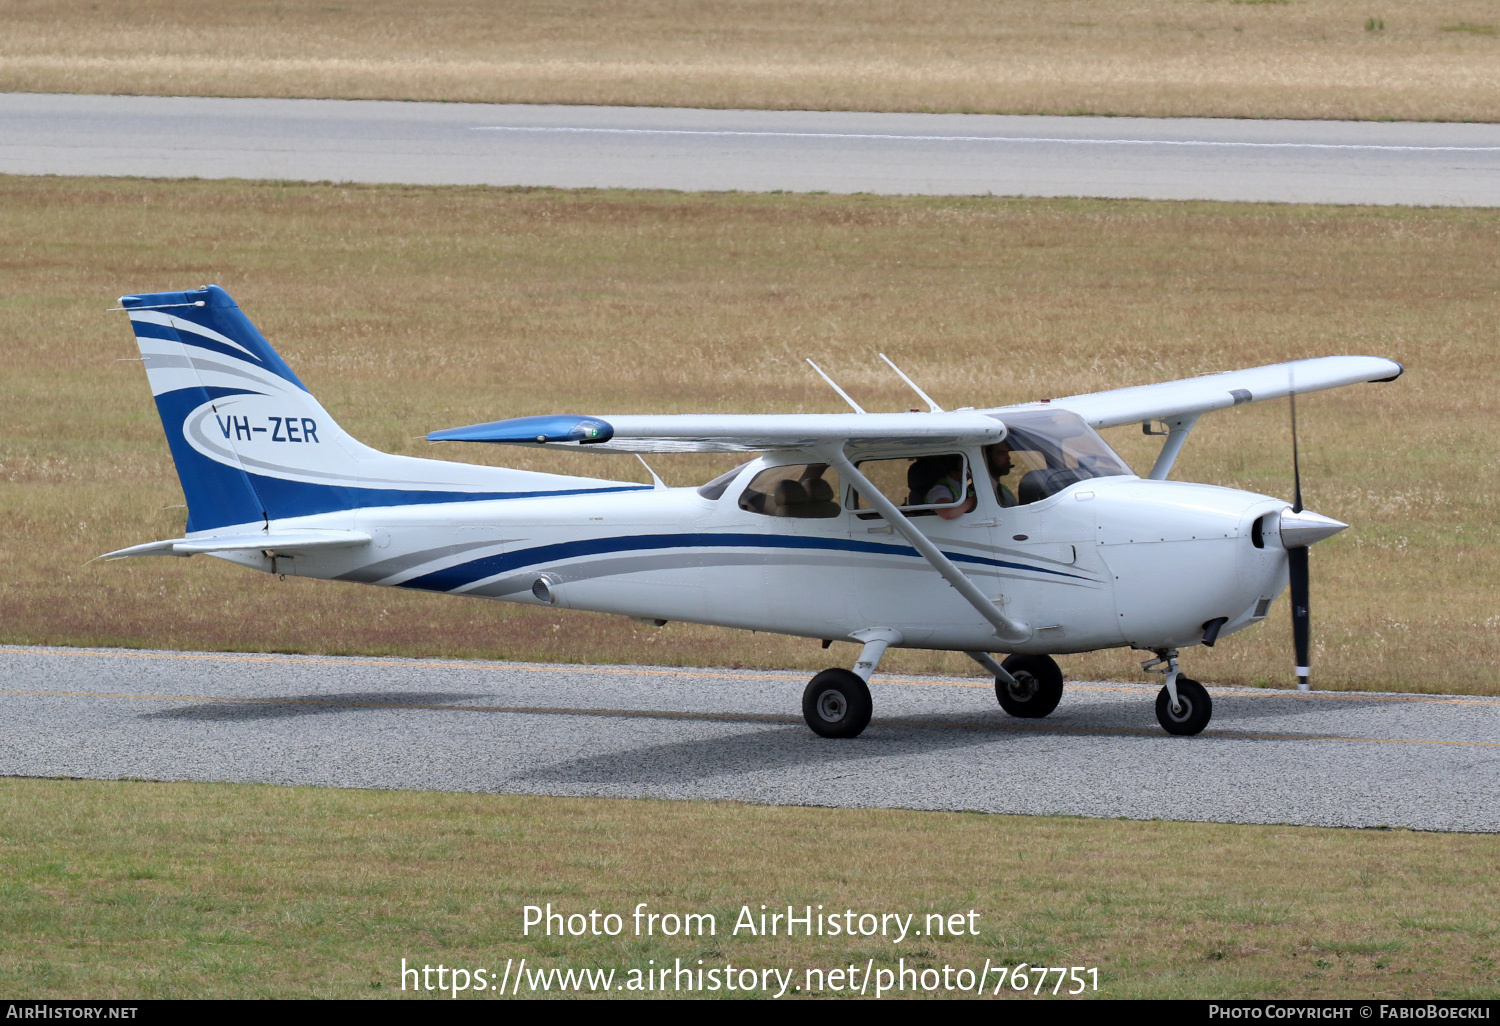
point(1403, 59)
point(409, 309)
point(141, 890)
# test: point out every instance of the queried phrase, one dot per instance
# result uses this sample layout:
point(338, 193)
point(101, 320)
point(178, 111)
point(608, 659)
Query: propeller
point(1298, 529)
point(1296, 557)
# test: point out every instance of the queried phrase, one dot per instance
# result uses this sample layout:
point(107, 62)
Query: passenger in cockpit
point(950, 486)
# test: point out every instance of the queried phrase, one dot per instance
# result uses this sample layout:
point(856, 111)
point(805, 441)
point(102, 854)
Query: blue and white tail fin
point(253, 446)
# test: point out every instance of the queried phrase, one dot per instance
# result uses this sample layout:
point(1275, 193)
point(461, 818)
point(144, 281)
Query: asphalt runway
point(1333, 759)
point(797, 151)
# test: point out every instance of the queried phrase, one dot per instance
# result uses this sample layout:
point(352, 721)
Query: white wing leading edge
point(719, 432)
point(715, 432)
point(1193, 396)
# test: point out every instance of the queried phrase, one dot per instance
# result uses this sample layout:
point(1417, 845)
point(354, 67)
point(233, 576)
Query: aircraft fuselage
point(1104, 563)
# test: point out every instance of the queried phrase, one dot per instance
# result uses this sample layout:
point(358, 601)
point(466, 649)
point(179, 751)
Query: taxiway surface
point(1334, 759)
point(796, 151)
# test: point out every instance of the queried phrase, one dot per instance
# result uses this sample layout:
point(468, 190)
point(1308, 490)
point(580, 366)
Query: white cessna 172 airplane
point(1014, 530)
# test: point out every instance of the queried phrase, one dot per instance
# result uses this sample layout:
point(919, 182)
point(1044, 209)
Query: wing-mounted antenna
point(660, 484)
point(834, 385)
point(932, 407)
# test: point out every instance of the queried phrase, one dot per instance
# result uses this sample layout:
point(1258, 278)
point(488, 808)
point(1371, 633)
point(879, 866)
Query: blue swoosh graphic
point(460, 574)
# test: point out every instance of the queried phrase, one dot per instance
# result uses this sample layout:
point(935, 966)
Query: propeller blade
point(1301, 617)
point(1296, 464)
point(1297, 562)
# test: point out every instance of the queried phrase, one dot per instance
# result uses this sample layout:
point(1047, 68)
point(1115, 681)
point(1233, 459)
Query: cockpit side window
point(1045, 452)
point(715, 489)
point(938, 485)
point(803, 490)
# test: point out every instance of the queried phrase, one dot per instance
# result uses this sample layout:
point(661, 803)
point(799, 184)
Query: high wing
point(713, 432)
point(1193, 396)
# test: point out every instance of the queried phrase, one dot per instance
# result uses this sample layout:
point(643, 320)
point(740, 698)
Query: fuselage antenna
point(932, 407)
point(857, 408)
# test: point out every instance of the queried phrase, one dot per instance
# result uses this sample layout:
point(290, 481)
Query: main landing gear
point(1182, 706)
point(1028, 686)
point(1035, 686)
point(836, 703)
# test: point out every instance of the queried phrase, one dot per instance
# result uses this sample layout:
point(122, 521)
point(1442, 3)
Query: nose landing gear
point(1182, 706)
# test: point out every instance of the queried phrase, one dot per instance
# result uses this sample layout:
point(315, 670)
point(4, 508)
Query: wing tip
point(531, 431)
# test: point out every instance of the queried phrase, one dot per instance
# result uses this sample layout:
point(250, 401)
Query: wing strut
point(1006, 629)
point(1178, 428)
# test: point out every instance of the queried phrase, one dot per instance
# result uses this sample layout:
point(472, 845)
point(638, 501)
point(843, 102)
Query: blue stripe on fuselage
point(462, 574)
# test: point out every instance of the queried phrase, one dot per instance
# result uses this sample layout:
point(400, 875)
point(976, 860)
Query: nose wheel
point(1182, 706)
point(1192, 711)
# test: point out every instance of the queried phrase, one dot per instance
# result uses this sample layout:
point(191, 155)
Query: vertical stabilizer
point(201, 360)
point(253, 446)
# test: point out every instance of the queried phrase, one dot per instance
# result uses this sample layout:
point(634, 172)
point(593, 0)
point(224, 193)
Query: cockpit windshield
point(1045, 452)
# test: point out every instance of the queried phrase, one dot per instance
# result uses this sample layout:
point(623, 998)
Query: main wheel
point(1038, 687)
point(1194, 711)
point(837, 704)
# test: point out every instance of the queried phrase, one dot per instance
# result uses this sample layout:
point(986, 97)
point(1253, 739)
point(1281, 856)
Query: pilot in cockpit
point(997, 458)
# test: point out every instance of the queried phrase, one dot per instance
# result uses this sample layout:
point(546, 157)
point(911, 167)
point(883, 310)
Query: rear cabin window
point(715, 488)
point(805, 490)
point(920, 485)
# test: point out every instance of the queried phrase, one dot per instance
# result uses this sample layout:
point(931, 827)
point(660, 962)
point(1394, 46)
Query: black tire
point(1196, 710)
point(837, 703)
point(1038, 687)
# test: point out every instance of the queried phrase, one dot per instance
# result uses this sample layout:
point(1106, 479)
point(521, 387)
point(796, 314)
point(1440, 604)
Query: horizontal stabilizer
point(720, 432)
point(285, 543)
